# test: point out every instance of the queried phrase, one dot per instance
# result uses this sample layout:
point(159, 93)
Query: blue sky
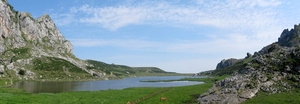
point(186, 36)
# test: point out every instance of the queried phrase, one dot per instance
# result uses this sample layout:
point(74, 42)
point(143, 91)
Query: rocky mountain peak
point(290, 37)
point(47, 22)
point(225, 63)
point(24, 39)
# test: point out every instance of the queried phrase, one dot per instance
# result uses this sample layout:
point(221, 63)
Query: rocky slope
point(225, 63)
point(274, 69)
point(24, 40)
point(35, 49)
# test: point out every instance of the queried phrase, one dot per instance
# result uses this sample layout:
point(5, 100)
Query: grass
point(4, 82)
point(123, 70)
point(279, 98)
point(174, 95)
point(15, 54)
point(50, 68)
point(55, 64)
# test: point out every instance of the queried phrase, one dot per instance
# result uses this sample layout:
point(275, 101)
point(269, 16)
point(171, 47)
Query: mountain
point(273, 69)
point(34, 49)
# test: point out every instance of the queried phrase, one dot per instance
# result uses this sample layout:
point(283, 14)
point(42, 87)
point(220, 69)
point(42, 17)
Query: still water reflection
point(56, 87)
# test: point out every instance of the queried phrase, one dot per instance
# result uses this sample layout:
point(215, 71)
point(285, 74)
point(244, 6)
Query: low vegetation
point(234, 68)
point(54, 64)
point(125, 71)
point(279, 98)
point(56, 68)
point(173, 95)
point(228, 70)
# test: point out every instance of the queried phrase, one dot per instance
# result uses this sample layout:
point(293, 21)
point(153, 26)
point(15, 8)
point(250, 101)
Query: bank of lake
point(174, 95)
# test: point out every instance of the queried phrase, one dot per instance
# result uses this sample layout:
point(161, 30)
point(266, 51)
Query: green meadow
point(149, 95)
point(145, 95)
point(292, 97)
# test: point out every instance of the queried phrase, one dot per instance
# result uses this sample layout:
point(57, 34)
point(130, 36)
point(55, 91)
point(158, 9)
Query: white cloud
point(222, 14)
point(249, 25)
point(235, 44)
point(111, 17)
point(63, 19)
point(121, 43)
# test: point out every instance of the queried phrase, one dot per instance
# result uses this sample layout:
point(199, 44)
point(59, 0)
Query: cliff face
point(274, 69)
point(24, 40)
point(19, 28)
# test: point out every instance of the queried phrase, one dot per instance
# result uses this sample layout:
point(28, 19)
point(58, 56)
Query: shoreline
point(106, 78)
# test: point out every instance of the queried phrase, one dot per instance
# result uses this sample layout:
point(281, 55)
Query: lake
point(56, 87)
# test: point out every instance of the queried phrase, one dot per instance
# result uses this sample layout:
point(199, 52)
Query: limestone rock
point(24, 38)
point(275, 68)
point(225, 63)
point(290, 37)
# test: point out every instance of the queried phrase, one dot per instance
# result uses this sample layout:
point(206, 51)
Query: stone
point(249, 93)
point(10, 66)
point(287, 68)
point(225, 63)
point(20, 31)
point(290, 37)
point(275, 68)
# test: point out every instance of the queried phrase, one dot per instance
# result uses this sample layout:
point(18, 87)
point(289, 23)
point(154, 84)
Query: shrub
point(22, 72)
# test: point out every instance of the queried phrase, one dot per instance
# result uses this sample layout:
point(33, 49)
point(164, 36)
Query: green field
point(279, 98)
point(149, 95)
point(174, 95)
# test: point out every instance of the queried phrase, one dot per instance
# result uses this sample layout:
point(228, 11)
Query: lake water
point(56, 87)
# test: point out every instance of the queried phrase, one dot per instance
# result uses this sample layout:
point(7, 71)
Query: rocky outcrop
point(24, 39)
point(240, 87)
point(34, 49)
point(225, 63)
point(290, 37)
point(275, 68)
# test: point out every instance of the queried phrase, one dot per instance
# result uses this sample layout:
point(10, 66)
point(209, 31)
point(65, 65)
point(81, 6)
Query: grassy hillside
point(56, 68)
point(230, 69)
point(123, 70)
point(234, 68)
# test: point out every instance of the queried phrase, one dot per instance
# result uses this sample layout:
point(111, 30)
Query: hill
point(124, 71)
point(273, 69)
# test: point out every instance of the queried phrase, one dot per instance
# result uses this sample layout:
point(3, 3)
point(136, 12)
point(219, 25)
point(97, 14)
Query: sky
point(184, 36)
